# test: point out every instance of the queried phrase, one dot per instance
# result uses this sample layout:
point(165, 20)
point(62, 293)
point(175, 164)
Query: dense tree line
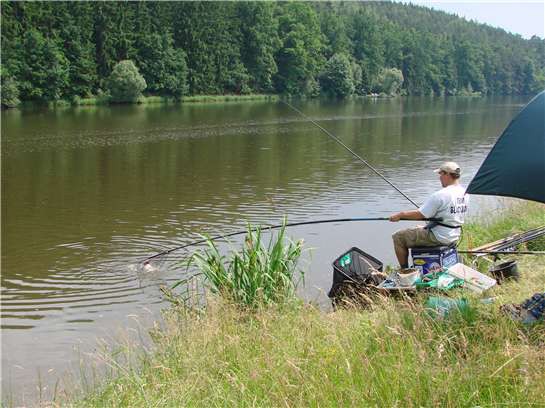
point(70, 50)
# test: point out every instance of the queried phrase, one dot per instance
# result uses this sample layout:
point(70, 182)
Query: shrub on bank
point(338, 78)
point(125, 84)
point(389, 81)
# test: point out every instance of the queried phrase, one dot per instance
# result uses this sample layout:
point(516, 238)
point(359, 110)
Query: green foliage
point(229, 98)
point(299, 58)
point(368, 44)
point(237, 80)
point(113, 34)
point(293, 356)
point(338, 78)
point(531, 84)
point(470, 65)
point(10, 91)
point(163, 66)
point(210, 34)
point(82, 69)
point(417, 65)
point(393, 353)
point(390, 81)
point(56, 50)
point(44, 72)
point(334, 28)
point(260, 42)
point(257, 274)
point(125, 83)
point(357, 78)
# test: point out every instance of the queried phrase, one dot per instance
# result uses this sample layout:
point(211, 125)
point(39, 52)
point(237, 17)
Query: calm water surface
point(88, 192)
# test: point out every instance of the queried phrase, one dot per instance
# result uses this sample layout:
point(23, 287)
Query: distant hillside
point(67, 50)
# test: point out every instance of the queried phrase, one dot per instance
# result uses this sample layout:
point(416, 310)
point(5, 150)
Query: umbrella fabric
point(515, 167)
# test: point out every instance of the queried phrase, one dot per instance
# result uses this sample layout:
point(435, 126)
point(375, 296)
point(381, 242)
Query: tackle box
point(434, 259)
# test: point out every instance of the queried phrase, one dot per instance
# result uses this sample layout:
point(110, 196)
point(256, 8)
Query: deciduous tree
point(337, 78)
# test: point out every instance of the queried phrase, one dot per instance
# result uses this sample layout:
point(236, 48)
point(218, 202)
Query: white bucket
point(408, 277)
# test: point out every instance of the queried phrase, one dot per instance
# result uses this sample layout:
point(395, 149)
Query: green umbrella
point(515, 167)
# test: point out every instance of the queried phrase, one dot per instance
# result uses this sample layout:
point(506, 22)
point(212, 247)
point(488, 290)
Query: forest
point(70, 51)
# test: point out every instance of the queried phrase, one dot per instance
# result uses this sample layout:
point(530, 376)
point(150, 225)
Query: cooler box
point(354, 266)
point(434, 259)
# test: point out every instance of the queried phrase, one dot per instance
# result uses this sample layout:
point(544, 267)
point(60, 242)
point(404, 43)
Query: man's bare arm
point(407, 215)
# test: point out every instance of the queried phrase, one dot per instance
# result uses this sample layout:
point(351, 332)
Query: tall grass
point(296, 355)
point(258, 273)
point(512, 220)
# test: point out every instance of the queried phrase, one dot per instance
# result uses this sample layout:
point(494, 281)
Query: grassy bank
point(513, 219)
point(294, 354)
point(208, 98)
point(146, 100)
point(229, 98)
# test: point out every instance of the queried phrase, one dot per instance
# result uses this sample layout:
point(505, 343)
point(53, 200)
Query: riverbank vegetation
point(69, 51)
point(290, 353)
point(256, 275)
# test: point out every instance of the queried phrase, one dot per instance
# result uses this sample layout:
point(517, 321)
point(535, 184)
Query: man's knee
point(399, 238)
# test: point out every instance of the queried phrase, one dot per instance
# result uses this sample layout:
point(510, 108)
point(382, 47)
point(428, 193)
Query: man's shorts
point(414, 237)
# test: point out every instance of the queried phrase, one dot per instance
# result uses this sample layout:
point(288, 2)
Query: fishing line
point(350, 151)
point(271, 227)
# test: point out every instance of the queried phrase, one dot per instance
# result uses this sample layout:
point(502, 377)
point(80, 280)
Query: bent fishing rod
point(339, 141)
point(271, 227)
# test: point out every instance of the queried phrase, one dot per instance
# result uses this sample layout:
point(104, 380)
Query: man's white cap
point(449, 167)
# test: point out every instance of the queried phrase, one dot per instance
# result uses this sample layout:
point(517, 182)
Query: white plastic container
point(473, 280)
point(409, 277)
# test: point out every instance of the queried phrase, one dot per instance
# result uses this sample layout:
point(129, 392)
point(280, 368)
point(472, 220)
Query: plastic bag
point(440, 280)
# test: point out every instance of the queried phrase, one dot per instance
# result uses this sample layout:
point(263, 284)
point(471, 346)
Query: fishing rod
point(271, 227)
point(350, 151)
point(504, 252)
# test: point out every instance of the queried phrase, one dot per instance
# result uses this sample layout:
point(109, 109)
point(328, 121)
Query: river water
point(88, 192)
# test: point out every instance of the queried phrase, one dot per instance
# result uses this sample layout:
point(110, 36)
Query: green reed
point(259, 273)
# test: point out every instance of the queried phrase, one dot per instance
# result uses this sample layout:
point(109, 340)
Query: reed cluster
point(257, 274)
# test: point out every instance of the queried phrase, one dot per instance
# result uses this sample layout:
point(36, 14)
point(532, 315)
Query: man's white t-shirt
point(450, 204)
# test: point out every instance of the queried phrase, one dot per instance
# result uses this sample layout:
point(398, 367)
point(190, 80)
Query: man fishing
point(448, 204)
